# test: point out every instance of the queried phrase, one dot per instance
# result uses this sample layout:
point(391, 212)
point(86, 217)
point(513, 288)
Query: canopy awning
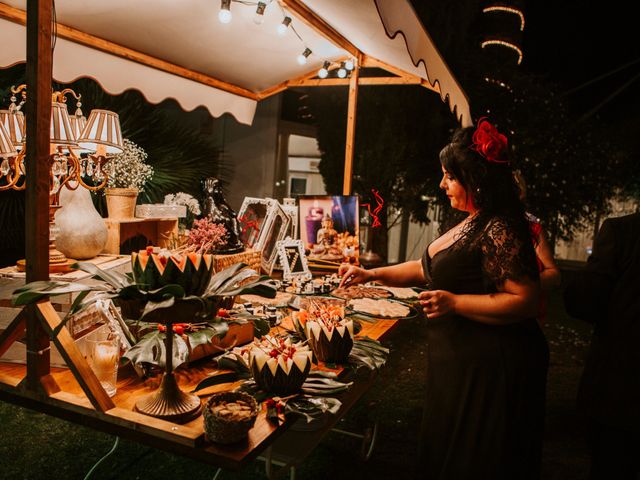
point(179, 50)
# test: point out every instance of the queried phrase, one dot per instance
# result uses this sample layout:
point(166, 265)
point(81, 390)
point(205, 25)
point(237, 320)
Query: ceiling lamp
point(284, 26)
point(302, 58)
point(342, 71)
point(224, 15)
point(324, 71)
point(259, 16)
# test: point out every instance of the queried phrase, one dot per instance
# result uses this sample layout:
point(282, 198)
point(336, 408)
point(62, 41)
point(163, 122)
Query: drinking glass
point(103, 358)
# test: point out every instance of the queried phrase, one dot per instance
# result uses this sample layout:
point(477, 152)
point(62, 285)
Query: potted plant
point(128, 174)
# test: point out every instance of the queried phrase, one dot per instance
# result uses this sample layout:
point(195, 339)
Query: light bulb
point(259, 16)
point(302, 58)
point(284, 26)
point(324, 71)
point(349, 65)
point(224, 15)
point(342, 72)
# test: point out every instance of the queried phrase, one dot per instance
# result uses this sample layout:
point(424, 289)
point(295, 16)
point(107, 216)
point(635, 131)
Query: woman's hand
point(436, 303)
point(352, 275)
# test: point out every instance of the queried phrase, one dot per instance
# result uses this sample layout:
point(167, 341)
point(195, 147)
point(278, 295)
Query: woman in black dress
point(487, 357)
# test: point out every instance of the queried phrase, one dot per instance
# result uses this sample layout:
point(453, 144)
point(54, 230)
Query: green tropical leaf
point(34, 291)
point(116, 279)
point(218, 379)
point(151, 349)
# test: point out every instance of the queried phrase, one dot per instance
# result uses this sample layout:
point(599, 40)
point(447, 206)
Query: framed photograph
point(293, 260)
point(276, 227)
point(291, 209)
point(254, 217)
point(329, 227)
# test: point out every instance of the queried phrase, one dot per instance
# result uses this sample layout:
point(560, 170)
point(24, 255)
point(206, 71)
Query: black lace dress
point(485, 396)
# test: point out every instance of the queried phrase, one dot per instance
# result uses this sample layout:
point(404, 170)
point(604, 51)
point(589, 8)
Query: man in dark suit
point(607, 294)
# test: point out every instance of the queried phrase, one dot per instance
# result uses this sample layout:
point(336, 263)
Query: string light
point(504, 44)
point(324, 71)
point(302, 58)
point(259, 16)
point(515, 11)
point(224, 15)
point(342, 71)
point(284, 26)
point(349, 65)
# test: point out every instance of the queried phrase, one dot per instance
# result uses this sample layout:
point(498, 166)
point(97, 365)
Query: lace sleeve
point(506, 254)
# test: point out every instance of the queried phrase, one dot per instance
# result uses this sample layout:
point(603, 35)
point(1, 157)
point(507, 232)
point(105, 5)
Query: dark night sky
point(577, 41)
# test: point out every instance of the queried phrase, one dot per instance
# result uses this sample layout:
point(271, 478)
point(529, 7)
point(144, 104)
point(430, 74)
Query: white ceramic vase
point(82, 231)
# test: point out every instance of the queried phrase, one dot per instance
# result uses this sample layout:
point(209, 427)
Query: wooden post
point(39, 68)
point(351, 130)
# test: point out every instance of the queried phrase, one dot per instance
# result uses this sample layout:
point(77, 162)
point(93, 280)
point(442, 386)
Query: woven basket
point(251, 257)
point(221, 430)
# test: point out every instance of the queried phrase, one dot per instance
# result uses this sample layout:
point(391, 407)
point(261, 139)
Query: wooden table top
point(187, 439)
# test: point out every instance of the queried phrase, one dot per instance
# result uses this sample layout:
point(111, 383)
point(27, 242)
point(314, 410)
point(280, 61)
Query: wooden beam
point(370, 62)
point(286, 84)
point(75, 360)
point(15, 331)
point(69, 33)
point(351, 131)
point(38, 111)
point(364, 82)
point(311, 19)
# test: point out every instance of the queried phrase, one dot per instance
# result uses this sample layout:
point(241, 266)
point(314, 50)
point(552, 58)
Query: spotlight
point(282, 28)
point(224, 15)
point(259, 16)
point(324, 71)
point(302, 58)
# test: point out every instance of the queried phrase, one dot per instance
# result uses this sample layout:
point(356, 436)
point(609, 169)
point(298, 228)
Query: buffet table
point(289, 447)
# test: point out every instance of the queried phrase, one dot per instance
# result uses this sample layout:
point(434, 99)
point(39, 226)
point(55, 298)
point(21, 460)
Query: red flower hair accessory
point(489, 143)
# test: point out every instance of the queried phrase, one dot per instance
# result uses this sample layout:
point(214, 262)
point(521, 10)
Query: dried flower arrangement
point(206, 236)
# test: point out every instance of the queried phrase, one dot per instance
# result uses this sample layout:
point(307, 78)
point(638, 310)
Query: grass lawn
point(35, 446)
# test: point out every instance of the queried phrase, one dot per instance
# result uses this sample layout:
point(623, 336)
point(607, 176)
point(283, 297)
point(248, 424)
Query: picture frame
point(330, 228)
point(293, 260)
point(291, 208)
point(276, 228)
point(254, 218)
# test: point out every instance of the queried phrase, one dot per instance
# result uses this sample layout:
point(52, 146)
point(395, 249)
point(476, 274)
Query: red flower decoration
point(490, 143)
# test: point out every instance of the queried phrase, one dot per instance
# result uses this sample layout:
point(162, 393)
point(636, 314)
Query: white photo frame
point(276, 228)
point(290, 208)
point(293, 260)
point(254, 218)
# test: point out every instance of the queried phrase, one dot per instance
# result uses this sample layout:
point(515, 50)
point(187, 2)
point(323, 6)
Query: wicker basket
point(251, 257)
point(225, 431)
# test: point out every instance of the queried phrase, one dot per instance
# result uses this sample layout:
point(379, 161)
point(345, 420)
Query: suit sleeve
point(587, 296)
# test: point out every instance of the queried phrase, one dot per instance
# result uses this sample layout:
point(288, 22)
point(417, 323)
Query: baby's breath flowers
point(128, 169)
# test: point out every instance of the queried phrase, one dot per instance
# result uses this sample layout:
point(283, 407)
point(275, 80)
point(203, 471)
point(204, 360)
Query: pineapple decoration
point(155, 267)
point(278, 365)
point(330, 335)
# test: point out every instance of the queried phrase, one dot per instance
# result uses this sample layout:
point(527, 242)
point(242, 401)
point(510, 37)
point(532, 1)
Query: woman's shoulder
point(503, 227)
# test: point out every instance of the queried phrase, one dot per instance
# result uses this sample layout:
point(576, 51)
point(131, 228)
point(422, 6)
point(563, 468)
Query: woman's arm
point(402, 275)
point(550, 274)
point(514, 301)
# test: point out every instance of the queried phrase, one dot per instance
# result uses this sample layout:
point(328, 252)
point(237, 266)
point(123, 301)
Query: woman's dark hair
point(491, 184)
